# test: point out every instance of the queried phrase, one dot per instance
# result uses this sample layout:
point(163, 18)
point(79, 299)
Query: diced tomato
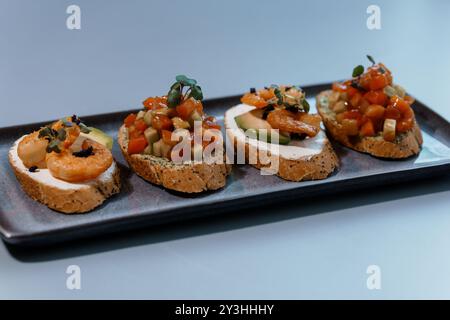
point(367, 129)
point(148, 103)
point(133, 132)
point(353, 114)
point(408, 113)
point(163, 100)
point(395, 101)
point(356, 99)
point(350, 127)
point(167, 137)
point(154, 103)
point(364, 81)
point(409, 99)
point(372, 71)
point(172, 112)
point(376, 97)
point(209, 123)
point(339, 87)
point(129, 120)
point(381, 65)
point(140, 125)
point(137, 145)
point(375, 111)
point(351, 91)
point(188, 106)
point(377, 82)
point(162, 122)
point(392, 113)
point(363, 105)
point(402, 106)
point(405, 125)
point(266, 94)
point(387, 73)
point(254, 100)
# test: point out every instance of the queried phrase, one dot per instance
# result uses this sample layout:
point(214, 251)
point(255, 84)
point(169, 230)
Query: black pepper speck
point(33, 169)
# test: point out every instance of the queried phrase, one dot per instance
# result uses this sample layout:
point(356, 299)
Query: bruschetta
point(165, 143)
point(371, 114)
point(66, 165)
point(278, 116)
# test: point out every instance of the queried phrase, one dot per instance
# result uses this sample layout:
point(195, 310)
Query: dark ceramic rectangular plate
point(26, 222)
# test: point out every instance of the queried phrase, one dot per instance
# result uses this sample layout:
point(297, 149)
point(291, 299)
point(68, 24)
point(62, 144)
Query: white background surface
point(128, 50)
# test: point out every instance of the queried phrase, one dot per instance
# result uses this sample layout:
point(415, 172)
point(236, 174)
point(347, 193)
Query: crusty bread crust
point(316, 167)
point(405, 145)
point(188, 178)
point(68, 201)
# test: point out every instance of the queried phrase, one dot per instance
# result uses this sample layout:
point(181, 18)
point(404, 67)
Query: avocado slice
point(99, 136)
point(253, 121)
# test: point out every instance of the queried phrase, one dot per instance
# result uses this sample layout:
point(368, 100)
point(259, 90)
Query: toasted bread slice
point(309, 159)
point(405, 145)
point(63, 196)
point(188, 177)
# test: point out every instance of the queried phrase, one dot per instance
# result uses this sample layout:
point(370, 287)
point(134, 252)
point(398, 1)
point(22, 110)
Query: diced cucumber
point(165, 150)
point(148, 149)
point(140, 114)
point(195, 116)
point(400, 90)
point(179, 123)
point(164, 111)
point(148, 118)
point(151, 135)
point(157, 148)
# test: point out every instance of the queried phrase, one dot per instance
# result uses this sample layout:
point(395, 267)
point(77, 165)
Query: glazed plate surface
point(27, 222)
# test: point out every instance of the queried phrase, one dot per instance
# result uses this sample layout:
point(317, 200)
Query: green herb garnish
point(53, 146)
point(55, 137)
point(47, 132)
point(266, 111)
point(279, 96)
point(357, 71)
point(305, 105)
point(176, 95)
point(371, 59)
point(62, 135)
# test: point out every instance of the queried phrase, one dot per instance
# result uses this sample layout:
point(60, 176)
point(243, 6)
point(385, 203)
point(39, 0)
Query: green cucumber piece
point(151, 135)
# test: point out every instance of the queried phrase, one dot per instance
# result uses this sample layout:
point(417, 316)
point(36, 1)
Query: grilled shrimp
point(72, 133)
point(79, 167)
point(312, 119)
point(284, 120)
point(32, 150)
